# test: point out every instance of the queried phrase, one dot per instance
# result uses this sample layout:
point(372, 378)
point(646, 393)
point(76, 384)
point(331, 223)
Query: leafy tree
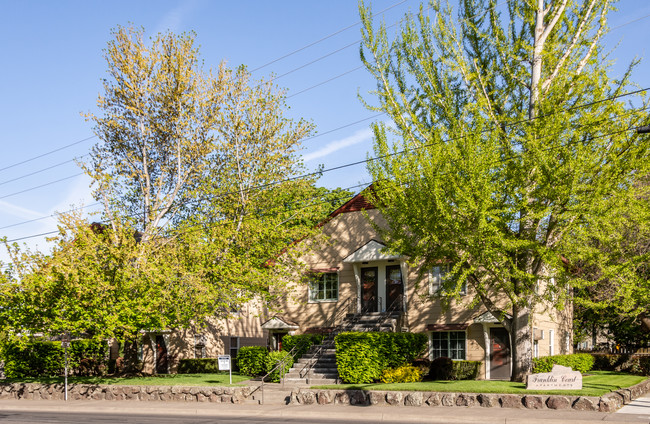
point(510, 150)
point(197, 173)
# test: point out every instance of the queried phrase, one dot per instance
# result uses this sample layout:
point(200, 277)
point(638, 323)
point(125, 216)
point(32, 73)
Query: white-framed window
point(551, 343)
point(324, 287)
point(436, 277)
point(450, 344)
point(535, 349)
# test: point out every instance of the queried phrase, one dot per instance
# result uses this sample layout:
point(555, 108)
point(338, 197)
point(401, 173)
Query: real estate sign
point(560, 378)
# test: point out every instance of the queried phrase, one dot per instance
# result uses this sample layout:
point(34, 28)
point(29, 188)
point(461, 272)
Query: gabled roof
point(371, 251)
point(277, 323)
point(356, 204)
point(488, 318)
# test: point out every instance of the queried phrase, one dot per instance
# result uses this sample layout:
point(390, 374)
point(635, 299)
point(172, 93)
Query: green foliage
point(198, 366)
point(465, 370)
point(403, 374)
point(622, 362)
point(302, 341)
point(39, 358)
point(252, 360)
point(508, 155)
point(362, 357)
point(280, 359)
point(582, 362)
point(441, 368)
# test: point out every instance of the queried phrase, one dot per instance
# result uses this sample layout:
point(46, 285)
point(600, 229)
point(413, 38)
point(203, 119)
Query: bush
point(302, 341)
point(198, 366)
point(582, 362)
point(362, 357)
point(252, 360)
point(441, 368)
point(38, 358)
point(274, 359)
point(404, 374)
point(465, 370)
point(634, 364)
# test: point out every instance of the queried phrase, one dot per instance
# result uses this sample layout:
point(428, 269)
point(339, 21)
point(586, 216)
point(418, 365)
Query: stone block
point(466, 399)
point(585, 403)
point(610, 402)
point(448, 399)
point(324, 397)
point(413, 399)
point(534, 402)
point(358, 397)
point(214, 398)
point(342, 398)
point(433, 399)
point(394, 398)
point(558, 402)
point(237, 398)
point(488, 400)
point(511, 401)
point(307, 397)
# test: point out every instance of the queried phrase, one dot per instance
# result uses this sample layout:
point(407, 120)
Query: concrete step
point(297, 382)
point(328, 372)
point(271, 397)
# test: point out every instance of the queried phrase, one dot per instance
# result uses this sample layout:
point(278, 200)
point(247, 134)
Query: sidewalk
point(640, 412)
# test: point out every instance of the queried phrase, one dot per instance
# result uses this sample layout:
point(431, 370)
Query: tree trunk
point(131, 363)
point(521, 342)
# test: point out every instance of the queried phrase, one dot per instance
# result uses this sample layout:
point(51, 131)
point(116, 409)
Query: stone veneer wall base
point(609, 402)
point(119, 392)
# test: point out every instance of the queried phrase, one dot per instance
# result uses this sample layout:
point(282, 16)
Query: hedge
point(252, 360)
point(363, 357)
point(404, 374)
point(302, 341)
point(275, 358)
point(198, 366)
point(46, 358)
point(582, 362)
point(622, 362)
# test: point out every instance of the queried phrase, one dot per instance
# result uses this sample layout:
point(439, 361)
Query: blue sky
point(53, 65)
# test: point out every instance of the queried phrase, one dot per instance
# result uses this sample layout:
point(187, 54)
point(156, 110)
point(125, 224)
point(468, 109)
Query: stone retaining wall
point(119, 392)
point(607, 403)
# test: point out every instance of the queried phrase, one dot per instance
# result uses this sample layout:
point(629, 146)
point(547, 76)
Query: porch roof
point(277, 323)
point(371, 251)
point(447, 327)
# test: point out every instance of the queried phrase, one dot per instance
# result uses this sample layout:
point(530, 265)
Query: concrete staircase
point(318, 366)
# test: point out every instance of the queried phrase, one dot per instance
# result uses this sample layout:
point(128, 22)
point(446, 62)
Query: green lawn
point(220, 379)
point(597, 383)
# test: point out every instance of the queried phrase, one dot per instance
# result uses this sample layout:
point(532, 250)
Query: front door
point(499, 354)
point(394, 288)
point(369, 289)
point(161, 355)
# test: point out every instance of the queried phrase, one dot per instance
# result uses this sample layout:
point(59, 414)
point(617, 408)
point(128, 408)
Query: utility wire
point(47, 153)
point(389, 155)
point(42, 170)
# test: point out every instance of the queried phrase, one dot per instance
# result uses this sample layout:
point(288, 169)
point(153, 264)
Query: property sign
point(224, 362)
point(560, 378)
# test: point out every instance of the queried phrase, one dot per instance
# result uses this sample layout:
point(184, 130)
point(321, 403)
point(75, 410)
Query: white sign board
point(560, 378)
point(224, 362)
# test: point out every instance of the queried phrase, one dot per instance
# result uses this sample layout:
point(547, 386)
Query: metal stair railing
point(349, 304)
point(280, 365)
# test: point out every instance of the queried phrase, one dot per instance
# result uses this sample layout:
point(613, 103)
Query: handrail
point(282, 364)
point(345, 307)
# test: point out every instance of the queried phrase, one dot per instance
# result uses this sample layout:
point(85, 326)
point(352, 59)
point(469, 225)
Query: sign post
point(65, 342)
point(224, 365)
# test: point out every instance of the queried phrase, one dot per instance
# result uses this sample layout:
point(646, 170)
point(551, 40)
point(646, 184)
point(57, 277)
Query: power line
point(42, 185)
point(395, 154)
point(42, 170)
point(323, 39)
point(47, 153)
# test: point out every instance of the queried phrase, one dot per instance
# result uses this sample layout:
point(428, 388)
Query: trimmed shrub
point(274, 359)
point(252, 360)
point(404, 374)
point(465, 370)
point(622, 362)
point(198, 366)
point(362, 357)
point(582, 362)
point(302, 341)
point(442, 368)
point(38, 358)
